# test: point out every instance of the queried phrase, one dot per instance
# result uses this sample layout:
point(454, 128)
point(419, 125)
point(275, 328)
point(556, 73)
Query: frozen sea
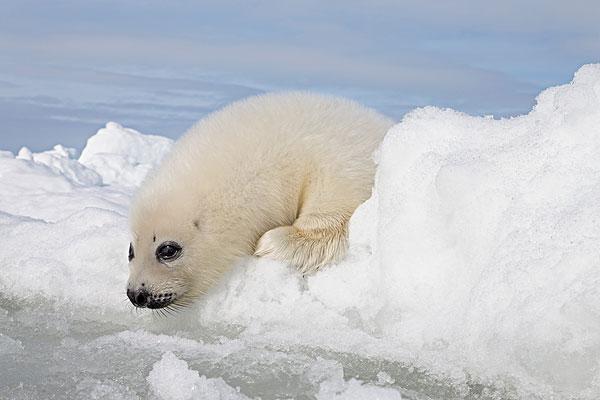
point(473, 273)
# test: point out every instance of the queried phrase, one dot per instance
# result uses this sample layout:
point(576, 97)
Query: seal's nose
point(139, 298)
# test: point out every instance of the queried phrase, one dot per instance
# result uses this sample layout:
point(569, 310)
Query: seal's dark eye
point(131, 255)
point(168, 251)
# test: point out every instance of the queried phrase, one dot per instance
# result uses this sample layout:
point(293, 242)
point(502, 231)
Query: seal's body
point(276, 175)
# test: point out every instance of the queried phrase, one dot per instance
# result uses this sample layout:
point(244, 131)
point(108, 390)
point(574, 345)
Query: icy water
point(59, 353)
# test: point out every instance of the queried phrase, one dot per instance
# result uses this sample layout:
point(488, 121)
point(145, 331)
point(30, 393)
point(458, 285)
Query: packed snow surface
point(474, 272)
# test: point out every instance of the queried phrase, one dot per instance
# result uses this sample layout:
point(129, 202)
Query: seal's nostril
point(141, 298)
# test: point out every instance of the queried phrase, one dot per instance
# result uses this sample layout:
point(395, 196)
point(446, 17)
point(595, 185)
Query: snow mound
point(123, 156)
point(70, 261)
point(65, 231)
point(60, 161)
point(171, 379)
point(487, 237)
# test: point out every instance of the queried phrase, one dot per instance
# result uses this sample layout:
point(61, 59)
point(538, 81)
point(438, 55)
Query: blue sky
point(67, 67)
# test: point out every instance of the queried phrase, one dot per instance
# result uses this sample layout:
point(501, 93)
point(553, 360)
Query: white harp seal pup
point(275, 175)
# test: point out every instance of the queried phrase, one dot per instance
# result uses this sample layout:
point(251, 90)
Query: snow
point(60, 162)
point(473, 273)
point(489, 244)
point(123, 156)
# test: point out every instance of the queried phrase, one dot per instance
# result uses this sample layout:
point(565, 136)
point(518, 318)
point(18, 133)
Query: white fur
point(278, 175)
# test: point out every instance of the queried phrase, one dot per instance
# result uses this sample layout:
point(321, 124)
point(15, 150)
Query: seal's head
point(175, 255)
point(155, 285)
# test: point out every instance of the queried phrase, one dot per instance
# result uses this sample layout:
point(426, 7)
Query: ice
point(384, 378)
point(473, 273)
point(329, 375)
point(104, 390)
point(171, 379)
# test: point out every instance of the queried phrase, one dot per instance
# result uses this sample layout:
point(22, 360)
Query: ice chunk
point(329, 375)
point(355, 390)
point(104, 390)
point(9, 345)
point(172, 379)
point(384, 378)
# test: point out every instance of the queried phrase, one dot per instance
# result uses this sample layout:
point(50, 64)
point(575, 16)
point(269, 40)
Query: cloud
point(5, 85)
point(143, 59)
point(86, 99)
point(277, 64)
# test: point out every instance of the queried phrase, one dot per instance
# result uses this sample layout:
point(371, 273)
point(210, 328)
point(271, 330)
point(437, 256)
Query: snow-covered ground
point(474, 272)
